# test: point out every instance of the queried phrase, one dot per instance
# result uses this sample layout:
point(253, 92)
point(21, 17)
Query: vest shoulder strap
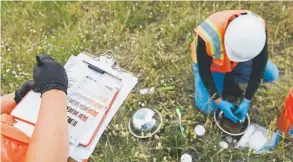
point(208, 31)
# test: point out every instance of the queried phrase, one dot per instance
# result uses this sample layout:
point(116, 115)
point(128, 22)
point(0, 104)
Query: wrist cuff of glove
point(48, 88)
point(51, 86)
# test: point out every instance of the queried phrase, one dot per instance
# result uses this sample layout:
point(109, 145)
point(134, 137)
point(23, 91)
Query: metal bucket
point(229, 127)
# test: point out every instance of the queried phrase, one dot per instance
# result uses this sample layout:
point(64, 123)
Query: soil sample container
point(229, 127)
point(285, 121)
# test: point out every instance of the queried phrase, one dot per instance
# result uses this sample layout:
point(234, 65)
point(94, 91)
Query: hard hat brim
point(233, 57)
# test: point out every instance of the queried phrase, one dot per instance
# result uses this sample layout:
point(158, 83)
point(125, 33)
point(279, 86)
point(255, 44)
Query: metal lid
point(145, 122)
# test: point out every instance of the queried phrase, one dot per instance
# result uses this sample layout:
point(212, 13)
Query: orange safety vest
point(14, 143)
point(212, 31)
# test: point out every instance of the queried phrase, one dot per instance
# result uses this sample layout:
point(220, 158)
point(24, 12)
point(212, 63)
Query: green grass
point(150, 39)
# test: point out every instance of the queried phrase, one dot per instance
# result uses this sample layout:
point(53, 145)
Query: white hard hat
point(244, 38)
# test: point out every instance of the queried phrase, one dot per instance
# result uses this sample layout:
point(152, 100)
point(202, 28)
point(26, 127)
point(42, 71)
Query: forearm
point(254, 82)
point(258, 68)
point(50, 138)
point(204, 64)
point(7, 103)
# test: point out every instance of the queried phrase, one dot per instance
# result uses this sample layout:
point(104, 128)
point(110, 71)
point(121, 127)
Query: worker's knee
point(271, 72)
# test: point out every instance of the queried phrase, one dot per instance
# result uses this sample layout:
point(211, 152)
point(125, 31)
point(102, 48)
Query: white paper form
point(28, 108)
point(97, 89)
point(91, 82)
point(75, 70)
point(25, 128)
point(80, 152)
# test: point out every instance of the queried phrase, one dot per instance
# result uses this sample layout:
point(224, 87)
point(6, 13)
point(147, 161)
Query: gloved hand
point(22, 91)
point(243, 108)
point(49, 74)
point(227, 108)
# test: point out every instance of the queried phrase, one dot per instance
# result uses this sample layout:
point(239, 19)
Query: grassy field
point(150, 39)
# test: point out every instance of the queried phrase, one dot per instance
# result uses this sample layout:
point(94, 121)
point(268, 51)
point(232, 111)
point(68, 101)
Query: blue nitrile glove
point(227, 108)
point(243, 108)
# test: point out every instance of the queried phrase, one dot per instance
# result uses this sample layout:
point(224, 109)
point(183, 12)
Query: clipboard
point(87, 76)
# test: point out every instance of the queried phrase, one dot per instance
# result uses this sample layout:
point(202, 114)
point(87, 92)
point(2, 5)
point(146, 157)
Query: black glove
point(22, 91)
point(49, 74)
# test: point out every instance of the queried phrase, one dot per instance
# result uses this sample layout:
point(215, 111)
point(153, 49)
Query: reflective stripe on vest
point(214, 36)
point(193, 49)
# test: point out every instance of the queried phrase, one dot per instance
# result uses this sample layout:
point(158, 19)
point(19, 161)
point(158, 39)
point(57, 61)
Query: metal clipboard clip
point(107, 58)
point(107, 64)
